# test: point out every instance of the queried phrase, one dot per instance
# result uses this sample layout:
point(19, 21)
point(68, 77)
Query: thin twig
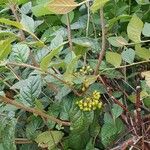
point(47, 72)
point(118, 102)
point(7, 84)
point(102, 52)
point(69, 32)
point(125, 144)
point(129, 65)
point(33, 110)
point(87, 28)
point(138, 108)
point(22, 141)
point(14, 73)
point(111, 96)
point(94, 27)
point(14, 11)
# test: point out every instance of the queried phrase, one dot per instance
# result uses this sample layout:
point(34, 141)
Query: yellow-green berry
point(83, 89)
point(85, 104)
point(99, 105)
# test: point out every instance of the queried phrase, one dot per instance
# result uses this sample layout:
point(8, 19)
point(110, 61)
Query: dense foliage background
point(74, 75)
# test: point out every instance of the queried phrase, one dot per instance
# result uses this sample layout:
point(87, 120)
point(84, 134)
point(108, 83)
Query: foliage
point(74, 75)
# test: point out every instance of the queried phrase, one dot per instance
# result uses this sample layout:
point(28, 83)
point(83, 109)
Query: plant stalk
point(33, 110)
point(102, 52)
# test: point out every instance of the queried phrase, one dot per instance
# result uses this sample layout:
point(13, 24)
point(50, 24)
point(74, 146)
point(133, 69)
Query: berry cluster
point(90, 103)
point(85, 70)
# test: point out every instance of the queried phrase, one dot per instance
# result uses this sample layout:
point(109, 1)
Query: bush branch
point(69, 32)
point(47, 72)
point(13, 9)
point(33, 110)
point(138, 107)
point(102, 52)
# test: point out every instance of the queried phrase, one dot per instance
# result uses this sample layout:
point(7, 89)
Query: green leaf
point(110, 131)
point(147, 102)
point(95, 126)
point(46, 60)
point(143, 2)
point(90, 145)
point(49, 139)
point(117, 41)
point(128, 55)
point(25, 9)
point(27, 23)
point(107, 133)
point(8, 135)
point(57, 41)
point(66, 104)
point(86, 42)
point(134, 29)
point(1, 147)
point(20, 53)
point(80, 24)
point(5, 33)
point(72, 65)
point(30, 90)
point(80, 124)
point(90, 79)
point(63, 92)
point(146, 29)
point(32, 127)
point(78, 141)
point(41, 10)
point(113, 58)
point(98, 4)
point(12, 23)
point(116, 111)
point(142, 52)
point(123, 17)
point(146, 75)
point(108, 118)
point(54, 110)
point(64, 18)
point(112, 74)
point(68, 77)
point(98, 87)
point(5, 48)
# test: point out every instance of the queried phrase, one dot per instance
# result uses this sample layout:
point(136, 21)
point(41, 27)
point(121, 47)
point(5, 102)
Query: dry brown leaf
point(62, 6)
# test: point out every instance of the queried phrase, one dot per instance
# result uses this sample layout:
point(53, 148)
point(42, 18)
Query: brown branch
point(118, 102)
point(14, 73)
point(53, 75)
point(125, 144)
point(34, 111)
point(102, 52)
point(69, 32)
point(138, 104)
point(22, 141)
point(111, 96)
point(14, 11)
point(138, 108)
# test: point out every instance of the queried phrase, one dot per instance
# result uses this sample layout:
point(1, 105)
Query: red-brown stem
point(112, 97)
point(33, 110)
point(118, 102)
point(138, 105)
point(69, 32)
point(102, 52)
point(125, 144)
